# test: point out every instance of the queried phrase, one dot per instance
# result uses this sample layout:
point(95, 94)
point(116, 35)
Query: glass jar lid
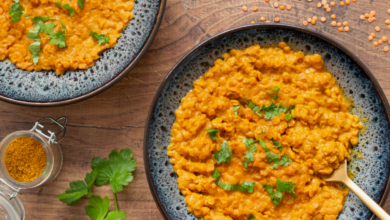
point(11, 208)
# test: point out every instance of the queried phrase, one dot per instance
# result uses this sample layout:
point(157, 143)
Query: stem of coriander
point(116, 203)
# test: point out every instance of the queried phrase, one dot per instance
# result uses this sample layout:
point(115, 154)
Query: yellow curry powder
point(25, 159)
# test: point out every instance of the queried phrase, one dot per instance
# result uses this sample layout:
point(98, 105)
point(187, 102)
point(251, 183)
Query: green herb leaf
point(81, 3)
point(285, 161)
point(216, 174)
point(243, 187)
point(90, 179)
point(213, 133)
point(256, 109)
point(248, 187)
point(284, 186)
point(251, 148)
point(101, 38)
point(49, 28)
point(26, 15)
point(77, 190)
point(34, 35)
point(98, 209)
point(288, 117)
point(270, 156)
point(235, 110)
point(66, 7)
point(276, 197)
point(35, 49)
point(251, 216)
point(225, 154)
point(58, 39)
point(15, 10)
point(117, 169)
point(277, 144)
point(63, 26)
point(263, 130)
point(275, 96)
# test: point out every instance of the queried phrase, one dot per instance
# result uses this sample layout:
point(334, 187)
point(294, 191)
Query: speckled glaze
point(46, 88)
point(372, 172)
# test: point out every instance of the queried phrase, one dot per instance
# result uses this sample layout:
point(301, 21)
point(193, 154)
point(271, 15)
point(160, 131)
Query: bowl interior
point(47, 86)
point(372, 172)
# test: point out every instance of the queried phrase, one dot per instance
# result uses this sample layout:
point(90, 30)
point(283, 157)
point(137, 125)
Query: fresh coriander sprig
point(274, 158)
point(281, 186)
point(212, 133)
point(225, 154)
point(81, 3)
point(101, 38)
point(276, 89)
point(116, 170)
point(15, 10)
point(251, 149)
point(248, 187)
point(67, 7)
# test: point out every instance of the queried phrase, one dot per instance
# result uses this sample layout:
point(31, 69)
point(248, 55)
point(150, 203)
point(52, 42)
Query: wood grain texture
point(115, 119)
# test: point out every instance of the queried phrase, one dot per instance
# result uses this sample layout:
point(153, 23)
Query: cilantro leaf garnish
point(213, 133)
point(275, 96)
point(284, 186)
point(98, 209)
point(81, 3)
point(26, 15)
point(15, 10)
point(243, 187)
point(58, 39)
point(63, 26)
point(270, 156)
point(235, 110)
point(34, 35)
point(251, 148)
point(288, 117)
point(39, 21)
point(285, 161)
point(269, 111)
point(263, 130)
point(277, 144)
point(225, 154)
point(66, 7)
point(256, 109)
point(117, 169)
point(276, 197)
point(251, 216)
point(101, 38)
point(35, 49)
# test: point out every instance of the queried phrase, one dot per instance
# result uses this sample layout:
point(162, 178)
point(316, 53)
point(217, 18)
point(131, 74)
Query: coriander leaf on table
point(90, 179)
point(277, 144)
point(81, 3)
point(224, 154)
point(16, 11)
point(212, 133)
point(117, 169)
point(66, 7)
point(77, 190)
point(101, 38)
point(98, 209)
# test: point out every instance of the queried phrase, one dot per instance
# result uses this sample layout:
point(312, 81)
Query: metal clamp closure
point(15, 190)
point(52, 136)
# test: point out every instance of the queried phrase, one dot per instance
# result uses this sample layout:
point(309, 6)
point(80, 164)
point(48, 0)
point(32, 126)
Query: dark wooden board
point(115, 119)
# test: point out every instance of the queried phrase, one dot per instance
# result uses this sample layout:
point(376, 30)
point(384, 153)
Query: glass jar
point(10, 205)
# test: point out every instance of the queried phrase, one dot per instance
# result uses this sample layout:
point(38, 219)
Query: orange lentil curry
point(105, 17)
point(254, 135)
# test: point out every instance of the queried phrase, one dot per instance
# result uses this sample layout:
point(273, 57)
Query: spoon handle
point(371, 204)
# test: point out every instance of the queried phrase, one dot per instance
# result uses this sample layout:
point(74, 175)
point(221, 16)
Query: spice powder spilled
point(25, 159)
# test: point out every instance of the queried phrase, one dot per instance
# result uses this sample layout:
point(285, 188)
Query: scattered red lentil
point(276, 5)
point(372, 34)
point(341, 29)
point(332, 4)
point(323, 19)
point(277, 19)
point(305, 23)
point(346, 29)
point(313, 22)
point(387, 21)
point(377, 28)
point(373, 19)
point(345, 23)
point(354, 0)
point(262, 18)
point(315, 18)
point(328, 10)
point(333, 23)
point(254, 8)
point(266, 0)
point(244, 8)
point(288, 7)
point(388, 11)
point(282, 7)
point(338, 24)
point(375, 44)
point(309, 20)
point(370, 38)
point(347, 2)
point(324, 2)
point(366, 15)
point(319, 4)
point(380, 41)
point(384, 39)
point(370, 20)
point(388, 27)
point(253, 22)
point(373, 13)
point(362, 17)
point(385, 49)
point(341, 3)
point(333, 16)
point(326, 6)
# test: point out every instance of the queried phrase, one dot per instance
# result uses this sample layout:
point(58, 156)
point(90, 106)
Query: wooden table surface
point(115, 119)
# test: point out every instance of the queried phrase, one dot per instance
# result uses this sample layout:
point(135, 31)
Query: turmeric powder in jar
point(25, 159)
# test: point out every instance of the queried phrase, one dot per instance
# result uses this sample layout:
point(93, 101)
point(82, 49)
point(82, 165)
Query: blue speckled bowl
point(46, 88)
point(372, 172)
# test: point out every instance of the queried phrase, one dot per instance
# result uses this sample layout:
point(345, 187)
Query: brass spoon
point(340, 175)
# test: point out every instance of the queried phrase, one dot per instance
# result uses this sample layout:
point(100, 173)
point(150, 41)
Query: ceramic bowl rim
point(188, 56)
point(111, 82)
